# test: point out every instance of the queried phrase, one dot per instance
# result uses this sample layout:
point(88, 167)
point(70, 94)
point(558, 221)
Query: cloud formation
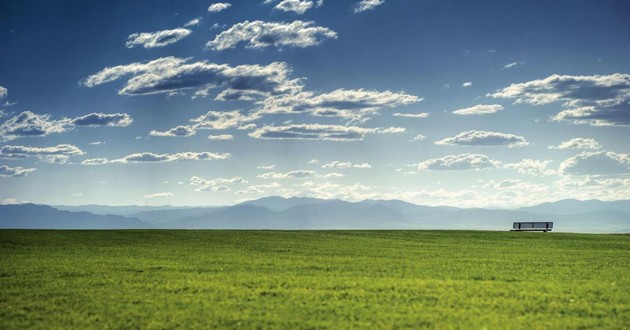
point(299, 174)
point(219, 6)
point(28, 124)
point(160, 195)
point(578, 143)
point(338, 164)
point(221, 137)
point(484, 138)
point(479, 109)
point(217, 184)
point(364, 5)
point(459, 162)
point(4, 92)
point(7, 171)
point(596, 163)
point(103, 119)
point(353, 104)
point(599, 100)
point(179, 131)
point(149, 157)
point(157, 38)
point(58, 154)
point(320, 132)
point(260, 34)
point(172, 74)
point(298, 6)
point(411, 115)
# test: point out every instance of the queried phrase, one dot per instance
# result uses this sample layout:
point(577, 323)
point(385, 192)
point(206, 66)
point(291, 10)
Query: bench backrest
point(533, 225)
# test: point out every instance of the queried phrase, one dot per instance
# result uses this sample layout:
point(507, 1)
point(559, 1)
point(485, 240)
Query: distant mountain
point(574, 206)
point(312, 213)
point(276, 203)
point(124, 210)
point(32, 216)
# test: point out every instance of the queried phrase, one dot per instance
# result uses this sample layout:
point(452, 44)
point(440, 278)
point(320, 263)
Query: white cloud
point(333, 175)
point(266, 167)
point(96, 143)
point(222, 137)
point(412, 115)
point(160, 195)
point(534, 167)
point(354, 104)
point(193, 22)
point(459, 162)
point(338, 164)
point(103, 119)
point(479, 109)
point(599, 100)
point(260, 34)
point(95, 161)
point(157, 38)
point(467, 84)
point(179, 131)
point(149, 157)
point(299, 174)
point(319, 132)
point(364, 5)
point(512, 65)
point(217, 184)
point(7, 171)
point(58, 154)
point(221, 120)
point(417, 138)
point(313, 161)
point(219, 6)
point(484, 138)
point(297, 6)
point(4, 92)
point(578, 143)
point(596, 163)
point(29, 124)
point(172, 74)
point(259, 189)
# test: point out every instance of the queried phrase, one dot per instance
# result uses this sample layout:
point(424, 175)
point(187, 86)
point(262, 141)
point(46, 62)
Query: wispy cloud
point(7, 171)
point(599, 100)
point(160, 195)
point(364, 5)
point(411, 115)
point(512, 65)
point(459, 162)
point(149, 157)
point(320, 132)
point(578, 143)
point(221, 137)
point(58, 154)
point(298, 6)
point(219, 6)
point(298, 174)
point(338, 164)
point(157, 39)
point(260, 34)
point(479, 109)
point(484, 138)
point(596, 163)
point(172, 74)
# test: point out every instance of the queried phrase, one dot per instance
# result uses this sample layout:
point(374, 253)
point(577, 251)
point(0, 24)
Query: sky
point(463, 103)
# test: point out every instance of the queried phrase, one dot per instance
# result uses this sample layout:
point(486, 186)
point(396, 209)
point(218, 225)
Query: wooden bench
point(532, 226)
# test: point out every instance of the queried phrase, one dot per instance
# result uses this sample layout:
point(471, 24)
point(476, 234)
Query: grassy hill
point(313, 279)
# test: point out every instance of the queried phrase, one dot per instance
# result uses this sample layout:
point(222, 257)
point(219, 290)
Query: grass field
point(313, 279)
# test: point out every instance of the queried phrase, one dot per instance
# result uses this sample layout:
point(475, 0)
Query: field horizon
point(313, 279)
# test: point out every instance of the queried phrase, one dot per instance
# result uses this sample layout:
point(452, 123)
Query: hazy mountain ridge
point(310, 213)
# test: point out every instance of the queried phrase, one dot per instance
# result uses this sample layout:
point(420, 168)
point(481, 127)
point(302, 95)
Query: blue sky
point(485, 103)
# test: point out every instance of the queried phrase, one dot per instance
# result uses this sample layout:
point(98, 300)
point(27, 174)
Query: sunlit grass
point(313, 279)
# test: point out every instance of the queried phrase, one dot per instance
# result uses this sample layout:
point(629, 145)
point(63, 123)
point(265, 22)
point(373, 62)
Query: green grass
point(313, 279)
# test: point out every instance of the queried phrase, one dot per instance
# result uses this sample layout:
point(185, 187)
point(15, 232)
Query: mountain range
point(311, 213)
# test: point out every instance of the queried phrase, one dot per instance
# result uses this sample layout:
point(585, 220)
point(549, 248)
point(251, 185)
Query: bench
point(532, 226)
